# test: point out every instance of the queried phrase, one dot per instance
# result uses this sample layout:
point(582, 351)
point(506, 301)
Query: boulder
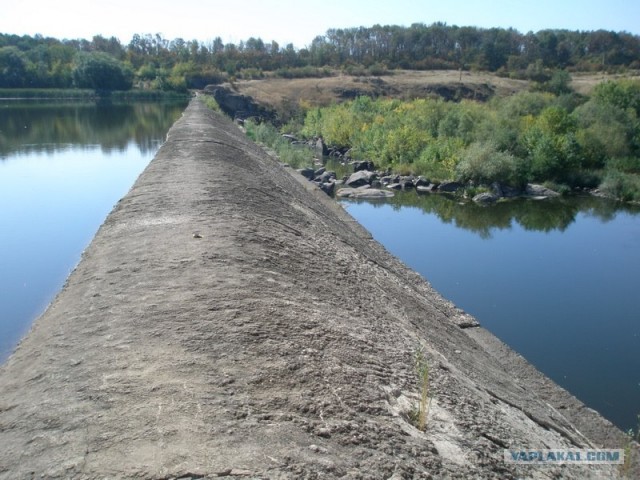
point(449, 187)
point(407, 182)
point(325, 177)
point(535, 190)
point(426, 188)
point(394, 186)
point(321, 148)
point(364, 165)
point(421, 182)
point(486, 198)
point(308, 173)
point(505, 190)
point(363, 193)
point(360, 178)
point(328, 187)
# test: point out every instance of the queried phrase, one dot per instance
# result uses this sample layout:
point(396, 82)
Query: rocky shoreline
point(367, 182)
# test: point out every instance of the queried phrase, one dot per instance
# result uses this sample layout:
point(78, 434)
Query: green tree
point(13, 68)
point(101, 72)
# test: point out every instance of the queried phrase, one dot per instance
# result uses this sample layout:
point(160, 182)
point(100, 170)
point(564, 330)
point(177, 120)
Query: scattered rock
point(364, 165)
point(308, 173)
point(360, 178)
point(328, 187)
point(535, 190)
point(486, 198)
point(363, 193)
point(449, 187)
point(426, 189)
point(321, 148)
point(421, 182)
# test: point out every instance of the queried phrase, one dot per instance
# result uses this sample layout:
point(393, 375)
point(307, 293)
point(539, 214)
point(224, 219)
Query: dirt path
point(227, 320)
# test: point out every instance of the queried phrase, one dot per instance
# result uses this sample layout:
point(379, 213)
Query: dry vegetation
point(406, 84)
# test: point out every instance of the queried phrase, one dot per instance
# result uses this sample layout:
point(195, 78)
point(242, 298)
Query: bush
point(439, 159)
point(606, 131)
point(483, 164)
point(625, 164)
point(623, 186)
point(622, 93)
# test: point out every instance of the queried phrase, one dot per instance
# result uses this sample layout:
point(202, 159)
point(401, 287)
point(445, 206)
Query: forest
point(153, 62)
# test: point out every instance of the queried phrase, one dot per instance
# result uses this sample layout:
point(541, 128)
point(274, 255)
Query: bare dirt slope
point(228, 321)
point(282, 94)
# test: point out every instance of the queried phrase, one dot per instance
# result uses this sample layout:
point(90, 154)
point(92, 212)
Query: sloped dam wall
point(229, 320)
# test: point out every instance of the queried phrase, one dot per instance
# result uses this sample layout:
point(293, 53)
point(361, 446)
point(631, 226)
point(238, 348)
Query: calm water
point(557, 280)
point(63, 166)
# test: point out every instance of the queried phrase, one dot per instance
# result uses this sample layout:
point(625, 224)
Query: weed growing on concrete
point(631, 438)
point(419, 414)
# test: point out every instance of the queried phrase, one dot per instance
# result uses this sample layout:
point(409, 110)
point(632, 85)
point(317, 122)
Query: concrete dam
point(229, 320)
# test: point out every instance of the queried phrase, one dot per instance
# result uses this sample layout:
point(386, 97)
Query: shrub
point(624, 93)
point(484, 164)
point(623, 186)
point(439, 159)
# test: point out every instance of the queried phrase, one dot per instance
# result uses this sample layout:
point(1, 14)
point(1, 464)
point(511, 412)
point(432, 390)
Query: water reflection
point(555, 279)
point(34, 127)
point(553, 214)
point(63, 166)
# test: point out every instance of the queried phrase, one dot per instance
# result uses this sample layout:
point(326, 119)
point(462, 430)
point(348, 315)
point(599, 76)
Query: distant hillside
point(285, 95)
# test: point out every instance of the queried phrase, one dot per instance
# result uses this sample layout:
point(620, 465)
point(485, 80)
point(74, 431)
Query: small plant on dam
point(631, 438)
point(419, 414)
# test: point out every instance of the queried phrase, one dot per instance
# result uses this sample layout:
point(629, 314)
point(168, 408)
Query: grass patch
point(296, 156)
point(87, 94)
point(47, 93)
point(210, 102)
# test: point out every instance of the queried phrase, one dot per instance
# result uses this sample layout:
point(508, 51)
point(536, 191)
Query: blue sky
point(299, 21)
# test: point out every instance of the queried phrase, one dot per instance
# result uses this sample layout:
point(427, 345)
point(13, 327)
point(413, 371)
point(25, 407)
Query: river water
point(63, 166)
point(557, 280)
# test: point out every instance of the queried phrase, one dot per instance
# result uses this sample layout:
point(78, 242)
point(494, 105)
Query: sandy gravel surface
point(228, 320)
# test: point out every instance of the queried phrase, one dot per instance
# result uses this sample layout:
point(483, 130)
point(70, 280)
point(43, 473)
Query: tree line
point(152, 61)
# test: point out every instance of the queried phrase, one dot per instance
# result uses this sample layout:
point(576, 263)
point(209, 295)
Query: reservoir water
point(557, 280)
point(63, 166)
